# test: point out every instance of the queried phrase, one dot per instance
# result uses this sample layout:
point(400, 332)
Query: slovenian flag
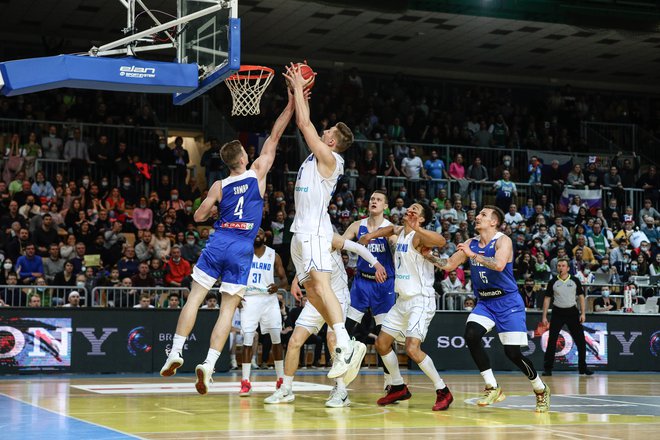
point(592, 198)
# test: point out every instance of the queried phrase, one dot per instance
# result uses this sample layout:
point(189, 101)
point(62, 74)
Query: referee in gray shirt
point(564, 289)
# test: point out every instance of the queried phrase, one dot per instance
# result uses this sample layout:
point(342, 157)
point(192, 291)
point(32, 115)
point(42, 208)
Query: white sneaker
point(281, 395)
point(338, 399)
point(203, 372)
point(346, 363)
point(173, 362)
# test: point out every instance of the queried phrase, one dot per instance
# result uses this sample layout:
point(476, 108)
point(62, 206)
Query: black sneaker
point(546, 373)
point(586, 372)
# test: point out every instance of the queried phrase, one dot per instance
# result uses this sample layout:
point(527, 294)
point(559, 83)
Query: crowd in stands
point(71, 229)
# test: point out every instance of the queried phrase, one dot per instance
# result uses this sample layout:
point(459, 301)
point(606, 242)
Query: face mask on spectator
point(175, 197)
point(85, 182)
point(468, 309)
point(7, 266)
point(644, 248)
point(143, 205)
point(507, 163)
point(52, 135)
point(104, 183)
point(188, 208)
point(605, 293)
point(333, 212)
point(402, 193)
point(605, 266)
point(80, 284)
point(633, 267)
point(340, 203)
point(191, 241)
point(127, 184)
point(279, 199)
point(162, 146)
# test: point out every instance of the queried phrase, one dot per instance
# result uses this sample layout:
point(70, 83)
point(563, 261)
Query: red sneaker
point(279, 383)
point(245, 388)
point(443, 399)
point(395, 393)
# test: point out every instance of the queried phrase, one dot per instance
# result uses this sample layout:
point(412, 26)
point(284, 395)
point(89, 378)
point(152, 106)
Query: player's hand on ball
point(381, 273)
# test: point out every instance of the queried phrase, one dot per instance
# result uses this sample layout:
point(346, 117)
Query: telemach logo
point(137, 72)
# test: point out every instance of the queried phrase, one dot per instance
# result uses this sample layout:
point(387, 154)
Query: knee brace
point(275, 336)
point(248, 339)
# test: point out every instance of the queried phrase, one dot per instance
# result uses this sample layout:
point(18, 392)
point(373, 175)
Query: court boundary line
point(73, 417)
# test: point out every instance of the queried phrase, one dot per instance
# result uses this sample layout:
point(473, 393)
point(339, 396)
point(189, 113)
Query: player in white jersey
point(261, 307)
point(311, 321)
point(408, 321)
point(310, 245)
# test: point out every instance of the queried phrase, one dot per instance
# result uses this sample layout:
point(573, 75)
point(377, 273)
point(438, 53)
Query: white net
point(246, 88)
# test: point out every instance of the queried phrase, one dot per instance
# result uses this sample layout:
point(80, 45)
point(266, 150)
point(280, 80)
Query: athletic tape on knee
point(248, 339)
point(276, 336)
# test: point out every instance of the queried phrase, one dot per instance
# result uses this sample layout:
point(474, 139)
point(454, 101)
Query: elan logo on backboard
point(137, 72)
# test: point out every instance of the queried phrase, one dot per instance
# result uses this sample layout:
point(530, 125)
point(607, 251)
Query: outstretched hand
point(294, 76)
point(381, 273)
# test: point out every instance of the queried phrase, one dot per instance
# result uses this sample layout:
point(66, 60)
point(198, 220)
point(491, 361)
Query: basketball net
point(246, 88)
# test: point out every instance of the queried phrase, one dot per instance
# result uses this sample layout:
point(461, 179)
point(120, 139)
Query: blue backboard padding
point(126, 74)
point(232, 65)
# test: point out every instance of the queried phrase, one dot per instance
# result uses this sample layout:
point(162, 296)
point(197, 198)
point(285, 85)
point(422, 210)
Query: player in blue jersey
point(238, 200)
point(499, 304)
point(367, 292)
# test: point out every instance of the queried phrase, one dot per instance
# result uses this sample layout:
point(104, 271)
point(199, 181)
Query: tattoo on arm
point(489, 262)
point(438, 261)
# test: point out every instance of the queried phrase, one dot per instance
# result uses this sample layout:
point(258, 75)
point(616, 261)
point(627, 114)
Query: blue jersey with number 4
point(489, 283)
point(241, 208)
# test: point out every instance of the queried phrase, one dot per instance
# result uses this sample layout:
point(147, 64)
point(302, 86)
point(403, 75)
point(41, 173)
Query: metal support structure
point(129, 41)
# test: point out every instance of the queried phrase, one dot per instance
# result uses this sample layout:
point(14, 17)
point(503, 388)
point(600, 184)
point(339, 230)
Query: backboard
point(212, 41)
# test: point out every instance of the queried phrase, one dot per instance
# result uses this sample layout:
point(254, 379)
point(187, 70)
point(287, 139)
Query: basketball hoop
point(246, 87)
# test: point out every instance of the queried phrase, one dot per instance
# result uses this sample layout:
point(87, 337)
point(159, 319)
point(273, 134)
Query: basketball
point(307, 73)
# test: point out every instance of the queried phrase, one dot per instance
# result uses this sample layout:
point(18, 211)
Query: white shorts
point(310, 252)
point(409, 318)
point(261, 310)
point(311, 319)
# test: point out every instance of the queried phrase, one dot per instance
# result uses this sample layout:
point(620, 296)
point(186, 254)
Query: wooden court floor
point(107, 407)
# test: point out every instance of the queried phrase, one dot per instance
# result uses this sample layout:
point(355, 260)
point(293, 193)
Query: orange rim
point(251, 72)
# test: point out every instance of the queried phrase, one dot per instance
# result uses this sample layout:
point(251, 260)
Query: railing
point(50, 296)
point(51, 167)
point(130, 296)
point(140, 141)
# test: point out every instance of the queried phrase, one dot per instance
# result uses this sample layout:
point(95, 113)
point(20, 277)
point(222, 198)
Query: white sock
point(391, 361)
point(287, 382)
point(254, 359)
point(177, 344)
point(489, 378)
point(428, 368)
point(343, 340)
point(388, 379)
point(232, 357)
point(212, 357)
point(246, 370)
point(341, 386)
point(279, 368)
point(537, 384)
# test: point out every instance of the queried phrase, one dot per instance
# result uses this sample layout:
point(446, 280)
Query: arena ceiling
point(328, 34)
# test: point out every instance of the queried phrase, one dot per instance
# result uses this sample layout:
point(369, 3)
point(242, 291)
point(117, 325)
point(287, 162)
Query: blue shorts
point(226, 258)
point(366, 293)
point(506, 315)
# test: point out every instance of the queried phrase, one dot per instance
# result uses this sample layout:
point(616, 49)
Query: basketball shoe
point(338, 399)
point(348, 363)
point(394, 394)
point(281, 395)
point(443, 399)
point(246, 387)
point(491, 395)
point(203, 372)
point(173, 362)
point(543, 400)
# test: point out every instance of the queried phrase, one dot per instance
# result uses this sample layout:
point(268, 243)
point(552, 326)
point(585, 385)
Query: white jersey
point(414, 273)
point(261, 273)
point(312, 196)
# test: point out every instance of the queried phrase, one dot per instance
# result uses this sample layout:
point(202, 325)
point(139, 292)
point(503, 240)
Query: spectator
point(468, 304)
point(10, 295)
point(368, 171)
point(157, 271)
point(576, 178)
point(145, 250)
point(592, 176)
point(529, 294)
point(34, 300)
point(542, 271)
point(143, 215)
point(77, 154)
point(115, 204)
point(78, 259)
point(144, 303)
point(650, 229)
point(398, 209)
point(211, 301)
point(457, 172)
point(505, 191)
point(173, 301)
point(66, 277)
point(143, 278)
point(628, 170)
point(604, 303)
point(52, 145)
point(598, 242)
point(452, 284)
point(483, 138)
point(74, 299)
point(53, 264)
point(128, 192)
point(215, 168)
point(556, 178)
point(613, 182)
point(648, 210)
point(390, 168)
point(191, 251)
point(477, 175)
point(513, 217)
point(29, 266)
point(176, 268)
point(181, 161)
point(587, 253)
point(654, 268)
point(128, 264)
point(412, 166)
point(41, 188)
point(506, 165)
point(435, 171)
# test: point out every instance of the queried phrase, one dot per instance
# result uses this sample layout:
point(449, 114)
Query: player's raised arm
point(320, 150)
point(447, 264)
point(206, 208)
point(340, 243)
point(503, 254)
point(265, 160)
point(387, 231)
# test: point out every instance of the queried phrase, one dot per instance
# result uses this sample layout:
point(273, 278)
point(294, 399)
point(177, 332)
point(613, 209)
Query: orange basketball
point(306, 73)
